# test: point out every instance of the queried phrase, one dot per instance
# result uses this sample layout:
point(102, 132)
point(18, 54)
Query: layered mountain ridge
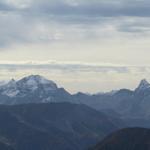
point(33, 83)
point(127, 104)
point(36, 114)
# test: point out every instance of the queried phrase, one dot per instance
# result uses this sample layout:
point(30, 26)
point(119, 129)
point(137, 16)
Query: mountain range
point(129, 105)
point(37, 114)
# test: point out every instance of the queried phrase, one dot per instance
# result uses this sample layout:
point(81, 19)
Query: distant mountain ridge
point(127, 104)
point(44, 90)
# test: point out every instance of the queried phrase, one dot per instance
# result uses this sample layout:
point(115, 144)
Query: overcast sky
point(83, 45)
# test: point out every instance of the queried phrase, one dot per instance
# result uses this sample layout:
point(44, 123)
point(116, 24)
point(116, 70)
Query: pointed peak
point(144, 84)
point(12, 81)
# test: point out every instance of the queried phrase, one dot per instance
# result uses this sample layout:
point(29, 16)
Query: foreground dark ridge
point(61, 126)
point(126, 139)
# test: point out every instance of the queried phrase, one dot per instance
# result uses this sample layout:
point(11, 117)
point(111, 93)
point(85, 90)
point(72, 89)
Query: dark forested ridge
point(126, 139)
point(53, 126)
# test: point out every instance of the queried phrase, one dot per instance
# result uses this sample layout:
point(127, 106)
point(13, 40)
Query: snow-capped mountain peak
point(12, 81)
point(38, 78)
point(10, 88)
point(34, 81)
point(26, 85)
point(144, 84)
point(10, 84)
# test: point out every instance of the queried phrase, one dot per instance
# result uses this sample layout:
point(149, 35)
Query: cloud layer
point(34, 21)
point(77, 76)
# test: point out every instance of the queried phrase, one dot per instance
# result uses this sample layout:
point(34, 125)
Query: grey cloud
point(136, 25)
point(83, 8)
point(20, 24)
point(68, 67)
point(139, 8)
point(90, 12)
point(4, 7)
point(11, 6)
point(74, 68)
point(91, 9)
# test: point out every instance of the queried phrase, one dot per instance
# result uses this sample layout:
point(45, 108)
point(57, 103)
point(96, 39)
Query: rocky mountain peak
point(144, 84)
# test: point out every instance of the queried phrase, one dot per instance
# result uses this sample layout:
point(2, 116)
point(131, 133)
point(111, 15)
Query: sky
point(82, 45)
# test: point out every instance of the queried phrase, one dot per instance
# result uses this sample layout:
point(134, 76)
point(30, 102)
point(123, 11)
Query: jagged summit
point(11, 82)
point(144, 84)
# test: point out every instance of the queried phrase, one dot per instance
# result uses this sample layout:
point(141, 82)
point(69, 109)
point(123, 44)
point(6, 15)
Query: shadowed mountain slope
point(53, 126)
point(126, 139)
